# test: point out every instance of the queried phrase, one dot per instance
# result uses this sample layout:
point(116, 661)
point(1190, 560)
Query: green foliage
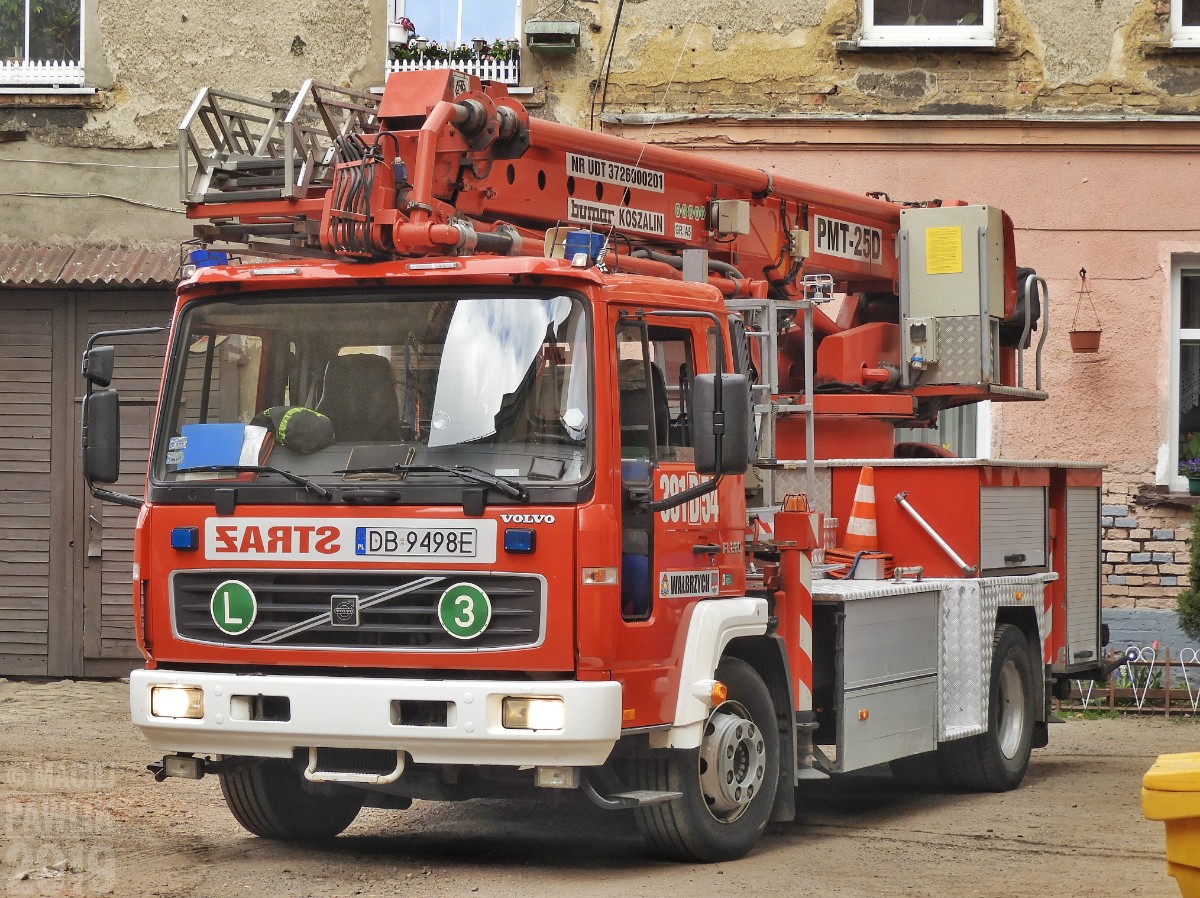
point(53, 29)
point(433, 52)
point(1190, 447)
point(1187, 605)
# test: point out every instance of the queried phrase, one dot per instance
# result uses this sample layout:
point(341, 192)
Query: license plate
point(416, 542)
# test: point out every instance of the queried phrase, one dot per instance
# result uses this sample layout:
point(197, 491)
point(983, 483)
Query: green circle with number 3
point(464, 610)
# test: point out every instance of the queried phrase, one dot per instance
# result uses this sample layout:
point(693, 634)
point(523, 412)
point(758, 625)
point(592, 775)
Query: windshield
point(378, 388)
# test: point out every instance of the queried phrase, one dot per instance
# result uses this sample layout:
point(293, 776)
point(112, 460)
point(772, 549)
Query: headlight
point(522, 713)
point(177, 701)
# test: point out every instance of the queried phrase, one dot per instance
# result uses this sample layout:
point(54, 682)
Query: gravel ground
point(81, 816)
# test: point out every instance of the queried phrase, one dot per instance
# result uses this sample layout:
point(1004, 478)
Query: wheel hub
point(732, 761)
point(1011, 718)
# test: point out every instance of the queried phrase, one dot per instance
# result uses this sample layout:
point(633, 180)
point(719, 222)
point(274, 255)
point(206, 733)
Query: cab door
point(671, 557)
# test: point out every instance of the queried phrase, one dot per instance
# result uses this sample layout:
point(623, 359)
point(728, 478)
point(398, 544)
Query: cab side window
point(655, 369)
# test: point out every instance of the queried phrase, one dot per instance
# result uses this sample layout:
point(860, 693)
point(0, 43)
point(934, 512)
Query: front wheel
point(271, 798)
point(996, 760)
point(728, 783)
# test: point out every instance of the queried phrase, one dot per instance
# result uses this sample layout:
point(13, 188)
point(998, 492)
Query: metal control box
point(951, 293)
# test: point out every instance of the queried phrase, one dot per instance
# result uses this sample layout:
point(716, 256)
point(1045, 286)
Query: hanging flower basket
point(1085, 341)
point(1085, 337)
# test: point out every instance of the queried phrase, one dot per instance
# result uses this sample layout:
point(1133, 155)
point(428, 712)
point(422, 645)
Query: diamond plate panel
point(969, 609)
point(792, 480)
point(958, 352)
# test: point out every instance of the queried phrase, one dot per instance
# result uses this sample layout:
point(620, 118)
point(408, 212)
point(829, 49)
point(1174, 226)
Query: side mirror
point(98, 365)
point(102, 435)
point(721, 432)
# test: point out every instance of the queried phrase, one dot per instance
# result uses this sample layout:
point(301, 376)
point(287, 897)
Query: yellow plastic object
point(1171, 793)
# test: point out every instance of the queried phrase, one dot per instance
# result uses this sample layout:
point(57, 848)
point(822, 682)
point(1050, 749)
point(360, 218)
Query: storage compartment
point(875, 681)
point(1012, 530)
point(1083, 575)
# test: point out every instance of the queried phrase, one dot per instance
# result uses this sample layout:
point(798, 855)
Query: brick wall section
point(1144, 549)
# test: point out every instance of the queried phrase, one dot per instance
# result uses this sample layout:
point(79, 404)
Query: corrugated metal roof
point(32, 265)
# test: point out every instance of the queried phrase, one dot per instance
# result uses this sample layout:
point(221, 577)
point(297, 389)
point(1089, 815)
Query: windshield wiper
point(311, 485)
point(511, 488)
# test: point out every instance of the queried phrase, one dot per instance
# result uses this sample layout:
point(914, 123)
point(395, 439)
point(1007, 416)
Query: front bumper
point(357, 712)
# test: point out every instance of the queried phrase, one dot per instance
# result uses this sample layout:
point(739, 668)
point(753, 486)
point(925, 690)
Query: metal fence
point(1150, 680)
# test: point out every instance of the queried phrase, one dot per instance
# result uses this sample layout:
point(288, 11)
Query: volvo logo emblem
point(343, 611)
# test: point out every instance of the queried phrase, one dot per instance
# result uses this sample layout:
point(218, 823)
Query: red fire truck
point(519, 458)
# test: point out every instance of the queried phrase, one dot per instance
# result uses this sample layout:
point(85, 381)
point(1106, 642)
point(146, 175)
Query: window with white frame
point(928, 23)
point(479, 37)
point(41, 44)
point(455, 23)
point(1185, 369)
point(1185, 23)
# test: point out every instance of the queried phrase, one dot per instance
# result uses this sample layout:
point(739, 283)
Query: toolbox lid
point(1171, 788)
point(1174, 773)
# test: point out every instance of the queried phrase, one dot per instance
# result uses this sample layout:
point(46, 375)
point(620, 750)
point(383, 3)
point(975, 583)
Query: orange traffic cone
point(862, 538)
point(861, 535)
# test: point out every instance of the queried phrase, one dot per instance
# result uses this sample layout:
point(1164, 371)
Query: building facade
point(1080, 120)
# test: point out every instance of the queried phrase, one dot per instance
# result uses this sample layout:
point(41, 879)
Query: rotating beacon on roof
point(530, 458)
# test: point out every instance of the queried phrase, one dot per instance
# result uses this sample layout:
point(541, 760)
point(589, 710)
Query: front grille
point(396, 611)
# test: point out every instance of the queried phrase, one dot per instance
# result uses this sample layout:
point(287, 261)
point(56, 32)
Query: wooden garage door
point(65, 559)
point(26, 488)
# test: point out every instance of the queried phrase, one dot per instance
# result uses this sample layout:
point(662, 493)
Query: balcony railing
point(40, 73)
point(506, 71)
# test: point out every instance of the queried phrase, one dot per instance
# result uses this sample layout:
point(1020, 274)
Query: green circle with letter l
point(233, 607)
point(464, 610)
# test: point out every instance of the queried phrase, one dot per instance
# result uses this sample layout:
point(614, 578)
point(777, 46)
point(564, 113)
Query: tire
point(996, 761)
point(728, 783)
point(270, 798)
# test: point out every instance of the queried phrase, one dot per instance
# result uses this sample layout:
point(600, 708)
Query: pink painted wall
point(1118, 212)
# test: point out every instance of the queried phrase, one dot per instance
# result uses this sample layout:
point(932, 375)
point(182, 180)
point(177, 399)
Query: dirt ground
point(80, 816)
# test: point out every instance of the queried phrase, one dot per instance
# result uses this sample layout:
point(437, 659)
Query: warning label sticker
point(943, 250)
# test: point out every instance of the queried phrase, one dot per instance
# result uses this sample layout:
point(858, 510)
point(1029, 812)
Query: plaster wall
point(92, 168)
point(737, 56)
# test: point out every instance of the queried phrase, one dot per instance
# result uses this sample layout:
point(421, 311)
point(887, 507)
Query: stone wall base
point(1144, 548)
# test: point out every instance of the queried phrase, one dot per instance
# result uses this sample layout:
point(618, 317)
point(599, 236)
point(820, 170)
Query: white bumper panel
point(356, 712)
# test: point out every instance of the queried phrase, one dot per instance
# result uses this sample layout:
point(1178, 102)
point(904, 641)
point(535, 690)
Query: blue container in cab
point(207, 258)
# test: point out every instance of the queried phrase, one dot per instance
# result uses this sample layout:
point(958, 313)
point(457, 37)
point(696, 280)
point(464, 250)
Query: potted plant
point(1189, 462)
point(1190, 468)
point(1085, 335)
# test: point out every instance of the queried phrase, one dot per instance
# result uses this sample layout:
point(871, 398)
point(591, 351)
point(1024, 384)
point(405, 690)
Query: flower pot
point(1085, 341)
point(1194, 486)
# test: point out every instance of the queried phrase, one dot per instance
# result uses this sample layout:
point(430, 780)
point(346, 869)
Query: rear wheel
point(996, 760)
point(270, 798)
point(728, 783)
